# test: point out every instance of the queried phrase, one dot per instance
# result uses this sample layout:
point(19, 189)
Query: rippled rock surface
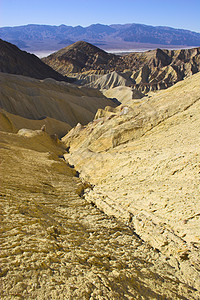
point(143, 160)
point(56, 245)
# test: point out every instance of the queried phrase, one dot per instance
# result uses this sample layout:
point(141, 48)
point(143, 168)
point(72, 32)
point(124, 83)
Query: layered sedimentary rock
point(143, 159)
point(123, 93)
point(146, 71)
point(55, 245)
point(31, 103)
point(106, 81)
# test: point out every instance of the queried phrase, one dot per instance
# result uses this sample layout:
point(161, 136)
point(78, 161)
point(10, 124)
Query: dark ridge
point(151, 70)
point(79, 57)
point(15, 61)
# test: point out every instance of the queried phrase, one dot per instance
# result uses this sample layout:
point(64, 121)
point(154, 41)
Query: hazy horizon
point(176, 14)
point(97, 24)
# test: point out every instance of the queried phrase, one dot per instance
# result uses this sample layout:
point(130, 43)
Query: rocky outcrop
point(81, 57)
point(123, 93)
point(142, 159)
point(15, 61)
point(56, 245)
point(145, 71)
point(31, 103)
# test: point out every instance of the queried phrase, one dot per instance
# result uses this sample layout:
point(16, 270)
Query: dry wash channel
point(55, 245)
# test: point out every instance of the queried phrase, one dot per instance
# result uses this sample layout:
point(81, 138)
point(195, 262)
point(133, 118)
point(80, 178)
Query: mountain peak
point(79, 57)
point(85, 46)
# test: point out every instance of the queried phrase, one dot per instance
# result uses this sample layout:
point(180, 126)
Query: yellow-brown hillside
point(143, 160)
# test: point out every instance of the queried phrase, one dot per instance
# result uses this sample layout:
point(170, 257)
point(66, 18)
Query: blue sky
point(175, 13)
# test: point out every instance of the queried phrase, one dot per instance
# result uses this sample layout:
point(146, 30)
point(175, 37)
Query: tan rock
point(55, 245)
point(123, 94)
point(144, 165)
point(31, 103)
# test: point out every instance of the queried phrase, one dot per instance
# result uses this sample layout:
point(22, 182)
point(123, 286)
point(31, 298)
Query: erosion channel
point(56, 245)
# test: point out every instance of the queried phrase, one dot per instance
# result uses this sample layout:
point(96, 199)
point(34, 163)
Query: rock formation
point(111, 211)
point(104, 82)
point(145, 71)
point(142, 159)
point(31, 103)
point(123, 93)
point(81, 57)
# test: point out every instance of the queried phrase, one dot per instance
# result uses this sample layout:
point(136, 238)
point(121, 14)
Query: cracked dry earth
point(55, 245)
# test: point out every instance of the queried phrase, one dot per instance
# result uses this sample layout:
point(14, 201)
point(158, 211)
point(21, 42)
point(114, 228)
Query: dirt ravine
point(55, 245)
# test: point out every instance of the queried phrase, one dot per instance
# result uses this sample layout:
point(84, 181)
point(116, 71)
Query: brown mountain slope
point(143, 162)
point(15, 61)
point(47, 100)
point(80, 57)
point(151, 70)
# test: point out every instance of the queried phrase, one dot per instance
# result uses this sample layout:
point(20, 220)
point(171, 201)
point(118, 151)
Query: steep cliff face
point(143, 160)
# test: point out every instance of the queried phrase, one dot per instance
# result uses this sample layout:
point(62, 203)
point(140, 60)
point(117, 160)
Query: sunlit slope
point(143, 159)
point(36, 100)
point(55, 244)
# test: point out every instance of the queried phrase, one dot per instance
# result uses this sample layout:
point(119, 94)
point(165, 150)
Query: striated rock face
point(107, 81)
point(147, 71)
point(143, 160)
point(123, 93)
point(31, 103)
point(56, 245)
point(80, 57)
point(15, 61)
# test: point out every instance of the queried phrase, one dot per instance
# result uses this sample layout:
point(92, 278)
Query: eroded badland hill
point(145, 71)
point(29, 103)
point(111, 211)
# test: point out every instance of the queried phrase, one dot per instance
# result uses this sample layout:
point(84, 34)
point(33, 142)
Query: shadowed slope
point(15, 61)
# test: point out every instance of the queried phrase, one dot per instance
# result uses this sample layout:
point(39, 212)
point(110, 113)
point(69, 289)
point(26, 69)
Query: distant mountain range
point(129, 36)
